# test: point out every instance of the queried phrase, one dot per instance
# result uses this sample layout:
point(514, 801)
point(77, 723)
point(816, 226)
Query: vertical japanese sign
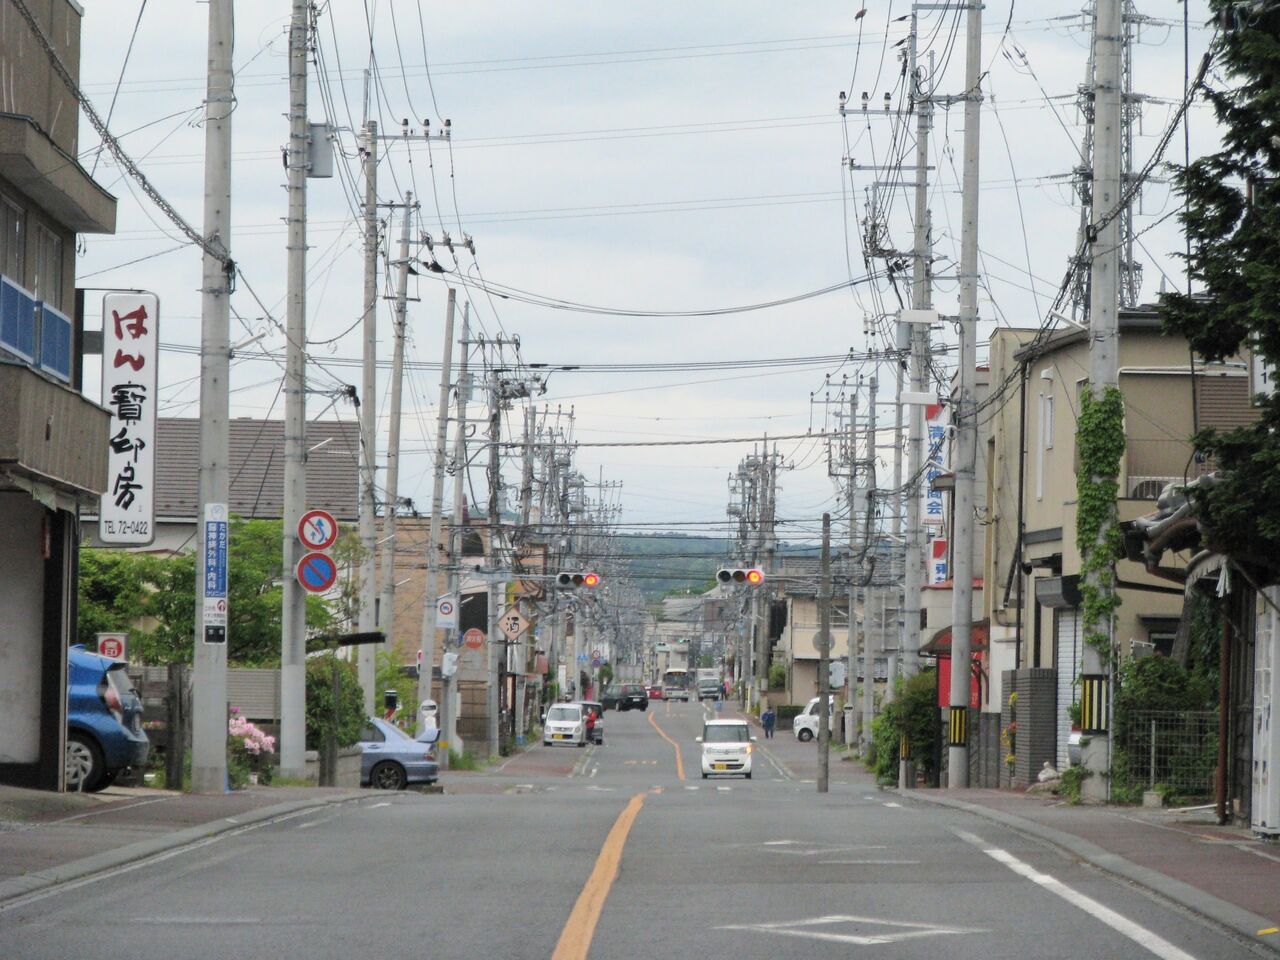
point(130, 347)
point(214, 571)
point(933, 513)
point(937, 572)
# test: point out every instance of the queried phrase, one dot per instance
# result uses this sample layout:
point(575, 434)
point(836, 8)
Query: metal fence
point(1176, 751)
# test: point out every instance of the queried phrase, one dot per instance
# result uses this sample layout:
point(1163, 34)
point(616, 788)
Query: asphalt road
point(610, 852)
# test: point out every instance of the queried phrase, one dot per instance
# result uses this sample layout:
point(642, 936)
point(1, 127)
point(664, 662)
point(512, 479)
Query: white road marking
point(693, 787)
point(387, 803)
point(1138, 934)
point(870, 862)
point(594, 771)
point(724, 789)
point(893, 805)
point(898, 931)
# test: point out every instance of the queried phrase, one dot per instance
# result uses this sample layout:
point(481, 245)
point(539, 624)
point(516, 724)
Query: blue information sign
point(215, 550)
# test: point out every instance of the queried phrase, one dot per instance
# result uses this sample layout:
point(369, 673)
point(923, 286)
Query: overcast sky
point(682, 159)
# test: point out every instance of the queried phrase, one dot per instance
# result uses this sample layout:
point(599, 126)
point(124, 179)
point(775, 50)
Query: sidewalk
point(1221, 873)
point(51, 838)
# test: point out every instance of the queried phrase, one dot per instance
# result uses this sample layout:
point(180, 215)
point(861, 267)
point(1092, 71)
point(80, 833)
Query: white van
point(805, 724)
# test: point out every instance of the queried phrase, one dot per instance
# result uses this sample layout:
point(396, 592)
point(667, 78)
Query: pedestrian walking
point(767, 720)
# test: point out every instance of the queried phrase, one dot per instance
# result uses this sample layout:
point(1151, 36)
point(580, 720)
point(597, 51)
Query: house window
point(1048, 422)
point(11, 240)
point(1040, 454)
point(47, 283)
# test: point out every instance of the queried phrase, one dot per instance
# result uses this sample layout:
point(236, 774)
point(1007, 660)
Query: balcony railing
point(33, 331)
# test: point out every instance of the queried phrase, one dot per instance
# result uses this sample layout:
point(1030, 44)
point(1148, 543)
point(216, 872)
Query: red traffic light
point(571, 580)
point(753, 576)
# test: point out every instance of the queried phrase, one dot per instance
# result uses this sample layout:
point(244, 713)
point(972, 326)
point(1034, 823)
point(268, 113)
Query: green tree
point(605, 675)
point(114, 590)
point(1232, 222)
point(254, 597)
point(329, 709)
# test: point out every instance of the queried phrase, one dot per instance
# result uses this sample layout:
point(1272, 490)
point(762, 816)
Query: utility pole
point(386, 603)
point(966, 415)
point(869, 626)
point(367, 656)
point(495, 640)
point(824, 659)
point(293, 619)
point(431, 595)
point(1104, 330)
point(448, 711)
point(209, 677)
point(526, 513)
point(851, 493)
point(918, 340)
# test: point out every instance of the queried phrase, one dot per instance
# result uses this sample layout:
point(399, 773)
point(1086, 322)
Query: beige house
point(1030, 439)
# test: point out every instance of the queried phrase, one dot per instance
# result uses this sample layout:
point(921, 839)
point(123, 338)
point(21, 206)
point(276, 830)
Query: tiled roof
point(257, 468)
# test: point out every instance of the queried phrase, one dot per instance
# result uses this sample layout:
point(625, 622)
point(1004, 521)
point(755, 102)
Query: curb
point(1215, 909)
point(16, 890)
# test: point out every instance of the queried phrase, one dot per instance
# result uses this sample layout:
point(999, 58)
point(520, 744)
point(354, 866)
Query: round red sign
point(473, 639)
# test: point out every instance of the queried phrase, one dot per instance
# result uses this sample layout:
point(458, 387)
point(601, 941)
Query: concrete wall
point(22, 613)
point(32, 88)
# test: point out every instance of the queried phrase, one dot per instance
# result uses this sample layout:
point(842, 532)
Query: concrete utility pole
point(458, 529)
point(387, 600)
point(368, 621)
point(966, 416)
point(851, 675)
point(521, 658)
point(209, 678)
point(431, 595)
point(495, 645)
point(918, 340)
point(824, 658)
point(293, 618)
point(1104, 328)
point(869, 626)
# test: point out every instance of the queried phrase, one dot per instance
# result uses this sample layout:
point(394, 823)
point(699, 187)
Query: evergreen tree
point(1232, 221)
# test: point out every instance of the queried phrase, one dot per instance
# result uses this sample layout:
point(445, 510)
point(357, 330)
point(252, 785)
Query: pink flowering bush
point(248, 750)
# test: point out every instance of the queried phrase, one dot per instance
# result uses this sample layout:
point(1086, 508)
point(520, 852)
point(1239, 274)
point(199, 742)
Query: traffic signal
point(571, 580)
point(751, 576)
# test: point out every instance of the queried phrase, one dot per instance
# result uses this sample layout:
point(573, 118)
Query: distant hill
point(661, 563)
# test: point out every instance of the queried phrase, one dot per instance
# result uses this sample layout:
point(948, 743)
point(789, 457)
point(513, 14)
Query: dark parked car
point(104, 721)
point(625, 696)
point(391, 759)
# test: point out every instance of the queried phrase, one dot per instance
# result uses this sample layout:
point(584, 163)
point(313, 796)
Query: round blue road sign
point(317, 572)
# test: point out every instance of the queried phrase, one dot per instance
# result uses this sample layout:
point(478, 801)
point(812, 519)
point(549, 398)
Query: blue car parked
point(104, 721)
point(391, 759)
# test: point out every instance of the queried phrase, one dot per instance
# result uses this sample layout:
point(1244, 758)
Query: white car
point(727, 746)
point(805, 724)
point(564, 723)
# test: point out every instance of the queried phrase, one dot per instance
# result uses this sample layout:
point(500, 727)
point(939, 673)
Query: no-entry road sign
point(317, 572)
point(317, 529)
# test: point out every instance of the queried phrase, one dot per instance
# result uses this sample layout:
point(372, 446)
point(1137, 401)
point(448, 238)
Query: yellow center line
point(679, 761)
point(1267, 931)
point(575, 938)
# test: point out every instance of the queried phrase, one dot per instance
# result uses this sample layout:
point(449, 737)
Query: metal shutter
point(1067, 645)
